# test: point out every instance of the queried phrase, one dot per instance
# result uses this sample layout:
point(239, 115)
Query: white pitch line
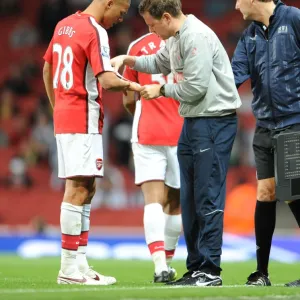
point(283, 297)
point(111, 289)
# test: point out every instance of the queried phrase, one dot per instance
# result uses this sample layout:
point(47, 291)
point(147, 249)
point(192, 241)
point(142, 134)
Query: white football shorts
point(156, 163)
point(79, 155)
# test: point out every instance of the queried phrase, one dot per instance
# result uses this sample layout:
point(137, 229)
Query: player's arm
point(129, 100)
point(48, 81)
point(240, 64)
point(111, 82)
point(151, 64)
point(99, 59)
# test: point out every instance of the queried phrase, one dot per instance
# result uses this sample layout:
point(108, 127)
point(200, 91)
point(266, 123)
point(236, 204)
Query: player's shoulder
point(83, 23)
point(97, 27)
point(140, 45)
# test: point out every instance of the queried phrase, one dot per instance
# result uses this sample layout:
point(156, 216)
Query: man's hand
point(117, 62)
point(151, 91)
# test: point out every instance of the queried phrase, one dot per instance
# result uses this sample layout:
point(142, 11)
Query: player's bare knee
point(77, 191)
point(266, 194)
point(266, 190)
point(76, 196)
point(153, 192)
point(172, 203)
point(174, 196)
point(91, 194)
point(151, 200)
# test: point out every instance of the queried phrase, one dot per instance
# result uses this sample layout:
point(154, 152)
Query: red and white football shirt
point(156, 122)
point(78, 52)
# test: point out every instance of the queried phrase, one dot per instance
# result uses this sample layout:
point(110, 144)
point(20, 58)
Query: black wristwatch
point(162, 90)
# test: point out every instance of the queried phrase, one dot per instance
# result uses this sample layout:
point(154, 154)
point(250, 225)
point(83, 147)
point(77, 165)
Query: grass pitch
point(36, 279)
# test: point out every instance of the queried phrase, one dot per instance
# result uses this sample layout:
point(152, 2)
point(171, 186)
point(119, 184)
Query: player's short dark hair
point(156, 8)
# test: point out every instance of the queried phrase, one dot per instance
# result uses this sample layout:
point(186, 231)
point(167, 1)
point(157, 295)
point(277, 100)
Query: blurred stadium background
point(31, 193)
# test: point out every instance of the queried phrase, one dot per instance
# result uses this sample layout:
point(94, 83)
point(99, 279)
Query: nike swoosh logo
point(96, 278)
point(208, 282)
point(204, 150)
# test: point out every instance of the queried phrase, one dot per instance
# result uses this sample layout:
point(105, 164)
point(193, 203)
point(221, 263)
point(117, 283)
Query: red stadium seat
point(27, 105)
point(5, 156)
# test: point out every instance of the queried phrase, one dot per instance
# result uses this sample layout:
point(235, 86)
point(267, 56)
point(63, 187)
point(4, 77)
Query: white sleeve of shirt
point(104, 46)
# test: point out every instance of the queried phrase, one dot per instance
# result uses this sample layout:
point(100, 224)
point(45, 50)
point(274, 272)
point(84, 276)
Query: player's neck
point(94, 11)
point(178, 23)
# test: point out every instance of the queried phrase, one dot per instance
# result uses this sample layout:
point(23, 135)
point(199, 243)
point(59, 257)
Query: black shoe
point(163, 277)
point(205, 279)
point(258, 279)
point(185, 277)
point(199, 278)
point(295, 283)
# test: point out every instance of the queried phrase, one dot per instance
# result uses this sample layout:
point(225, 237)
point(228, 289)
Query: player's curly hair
point(156, 8)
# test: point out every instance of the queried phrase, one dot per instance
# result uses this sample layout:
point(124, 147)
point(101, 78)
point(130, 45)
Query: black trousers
point(204, 150)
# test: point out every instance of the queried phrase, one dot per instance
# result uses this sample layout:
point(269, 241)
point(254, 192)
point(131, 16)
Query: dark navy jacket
point(272, 61)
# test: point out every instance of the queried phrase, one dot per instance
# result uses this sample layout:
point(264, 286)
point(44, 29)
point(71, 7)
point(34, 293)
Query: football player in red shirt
point(156, 129)
point(77, 67)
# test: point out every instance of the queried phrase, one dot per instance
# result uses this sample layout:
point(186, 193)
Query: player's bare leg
point(77, 191)
point(85, 227)
point(154, 226)
point(82, 262)
point(173, 224)
point(70, 220)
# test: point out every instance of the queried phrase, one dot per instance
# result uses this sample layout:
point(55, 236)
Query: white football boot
point(101, 279)
point(75, 278)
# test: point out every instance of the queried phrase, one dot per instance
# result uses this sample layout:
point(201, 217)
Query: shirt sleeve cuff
point(138, 63)
point(170, 90)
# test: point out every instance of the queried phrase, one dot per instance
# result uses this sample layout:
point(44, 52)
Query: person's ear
point(110, 3)
point(167, 17)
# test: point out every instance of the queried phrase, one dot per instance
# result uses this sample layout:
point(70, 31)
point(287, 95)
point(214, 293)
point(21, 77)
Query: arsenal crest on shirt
point(99, 163)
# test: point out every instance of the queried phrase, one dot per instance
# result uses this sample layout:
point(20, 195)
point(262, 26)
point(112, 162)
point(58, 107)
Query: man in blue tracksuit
point(269, 54)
